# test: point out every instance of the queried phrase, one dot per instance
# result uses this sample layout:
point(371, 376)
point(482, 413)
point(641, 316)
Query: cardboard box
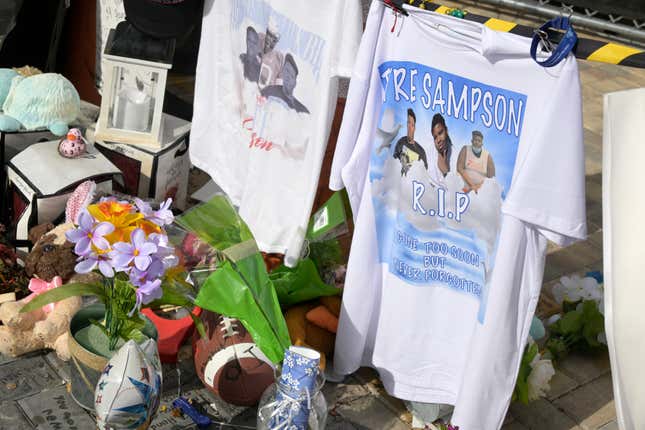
point(155, 173)
point(41, 180)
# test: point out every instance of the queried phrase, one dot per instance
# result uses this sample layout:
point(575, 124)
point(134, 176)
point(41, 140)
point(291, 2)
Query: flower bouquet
point(126, 244)
point(581, 324)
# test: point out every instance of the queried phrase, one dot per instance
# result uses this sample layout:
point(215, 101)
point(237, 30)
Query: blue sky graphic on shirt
point(441, 165)
point(302, 44)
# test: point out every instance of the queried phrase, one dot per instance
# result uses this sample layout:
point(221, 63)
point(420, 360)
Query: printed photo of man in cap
point(272, 60)
point(407, 150)
point(284, 92)
point(474, 163)
point(252, 59)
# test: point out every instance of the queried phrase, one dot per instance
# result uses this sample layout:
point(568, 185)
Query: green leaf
point(557, 347)
point(521, 392)
point(300, 284)
point(240, 287)
point(326, 255)
point(594, 323)
point(568, 306)
point(64, 292)
point(245, 293)
point(133, 328)
point(199, 325)
point(175, 292)
point(571, 322)
point(215, 222)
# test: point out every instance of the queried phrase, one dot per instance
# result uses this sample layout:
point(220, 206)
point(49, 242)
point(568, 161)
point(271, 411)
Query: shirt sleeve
point(352, 30)
point(356, 96)
point(548, 190)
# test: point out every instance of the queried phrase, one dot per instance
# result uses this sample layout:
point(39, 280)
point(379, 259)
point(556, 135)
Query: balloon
point(128, 391)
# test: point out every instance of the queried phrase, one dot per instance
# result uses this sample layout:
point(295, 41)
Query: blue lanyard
point(564, 47)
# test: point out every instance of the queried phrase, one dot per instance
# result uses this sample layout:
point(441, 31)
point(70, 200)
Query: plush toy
point(50, 263)
point(52, 255)
point(46, 100)
point(42, 328)
point(313, 324)
point(6, 76)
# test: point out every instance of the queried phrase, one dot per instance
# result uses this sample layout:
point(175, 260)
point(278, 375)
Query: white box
point(155, 173)
point(41, 180)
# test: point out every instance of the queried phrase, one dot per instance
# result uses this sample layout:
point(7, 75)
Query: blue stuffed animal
point(43, 101)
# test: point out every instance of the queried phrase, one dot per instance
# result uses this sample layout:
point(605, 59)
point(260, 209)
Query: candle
point(134, 110)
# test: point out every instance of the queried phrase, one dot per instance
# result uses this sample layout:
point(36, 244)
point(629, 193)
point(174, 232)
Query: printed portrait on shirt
point(443, 157)
point(274, 72)
point(279, 67)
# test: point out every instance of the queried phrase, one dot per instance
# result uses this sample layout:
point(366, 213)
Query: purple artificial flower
point(147, 293)
point(89, 233)
point(165, 252)
point(160, 217)
point(89, 263)
point(154, 271)
point(138, 250)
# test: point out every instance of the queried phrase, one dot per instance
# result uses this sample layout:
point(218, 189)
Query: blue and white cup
point(296, 388)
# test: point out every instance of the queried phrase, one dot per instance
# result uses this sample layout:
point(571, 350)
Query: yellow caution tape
point(613, 53)
point(499, 25)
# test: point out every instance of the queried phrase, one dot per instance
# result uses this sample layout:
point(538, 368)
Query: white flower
point(538, 381)
point(553, 319)
point(575, 288)
point(591, 289)
point(288, 360)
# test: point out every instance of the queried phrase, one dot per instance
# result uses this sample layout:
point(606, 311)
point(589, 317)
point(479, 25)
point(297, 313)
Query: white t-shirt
point(265, 96)
point(442, 284)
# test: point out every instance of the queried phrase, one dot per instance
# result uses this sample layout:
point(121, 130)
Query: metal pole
point(626, 32)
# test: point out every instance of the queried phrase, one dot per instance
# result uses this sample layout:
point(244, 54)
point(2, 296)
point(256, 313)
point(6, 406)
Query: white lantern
point(133, 93)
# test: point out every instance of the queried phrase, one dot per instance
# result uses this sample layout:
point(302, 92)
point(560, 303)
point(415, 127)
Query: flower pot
point(87, 364)
point(172, 332)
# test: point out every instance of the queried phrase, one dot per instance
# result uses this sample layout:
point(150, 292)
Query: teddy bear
point(313, 324)
point(50, 263)
point(52, 255)
point(22, 333)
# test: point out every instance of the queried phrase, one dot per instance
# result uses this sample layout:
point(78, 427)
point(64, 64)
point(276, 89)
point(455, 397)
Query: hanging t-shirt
point(442, 283)
point(265, 95)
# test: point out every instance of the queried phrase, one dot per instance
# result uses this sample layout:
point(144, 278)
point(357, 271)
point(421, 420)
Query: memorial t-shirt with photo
point(265, 95)
point(447, 256)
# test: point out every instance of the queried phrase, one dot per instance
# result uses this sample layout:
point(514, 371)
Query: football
point(229, 363)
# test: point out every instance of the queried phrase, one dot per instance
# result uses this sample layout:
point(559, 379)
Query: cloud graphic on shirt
point(395, 193)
